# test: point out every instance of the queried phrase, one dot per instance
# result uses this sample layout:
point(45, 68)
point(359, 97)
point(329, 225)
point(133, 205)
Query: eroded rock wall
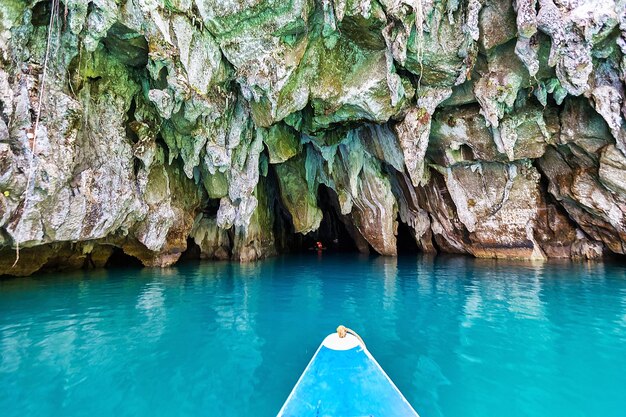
point(494, 128)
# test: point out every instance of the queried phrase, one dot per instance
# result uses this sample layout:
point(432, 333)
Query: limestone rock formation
point(494, 128)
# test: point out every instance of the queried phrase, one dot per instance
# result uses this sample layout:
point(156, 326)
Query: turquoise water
point(460, 337)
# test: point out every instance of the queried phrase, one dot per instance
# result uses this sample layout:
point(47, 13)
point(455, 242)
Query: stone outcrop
point(494, 128)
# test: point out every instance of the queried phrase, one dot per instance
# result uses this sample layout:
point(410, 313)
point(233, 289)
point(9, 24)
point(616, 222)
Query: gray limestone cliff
point(239, 129)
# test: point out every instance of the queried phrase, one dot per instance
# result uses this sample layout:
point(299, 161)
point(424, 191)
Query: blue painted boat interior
point(345, 383)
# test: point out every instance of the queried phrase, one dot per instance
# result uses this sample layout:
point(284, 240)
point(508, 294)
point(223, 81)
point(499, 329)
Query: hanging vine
point(32, 136)
point(419, 38)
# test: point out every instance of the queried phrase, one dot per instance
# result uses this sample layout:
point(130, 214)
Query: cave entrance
point(119, 259)
point(405, 240)
point(192, 253)
point(332, 233)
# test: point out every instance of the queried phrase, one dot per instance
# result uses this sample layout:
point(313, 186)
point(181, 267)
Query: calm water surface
point(460, 337)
